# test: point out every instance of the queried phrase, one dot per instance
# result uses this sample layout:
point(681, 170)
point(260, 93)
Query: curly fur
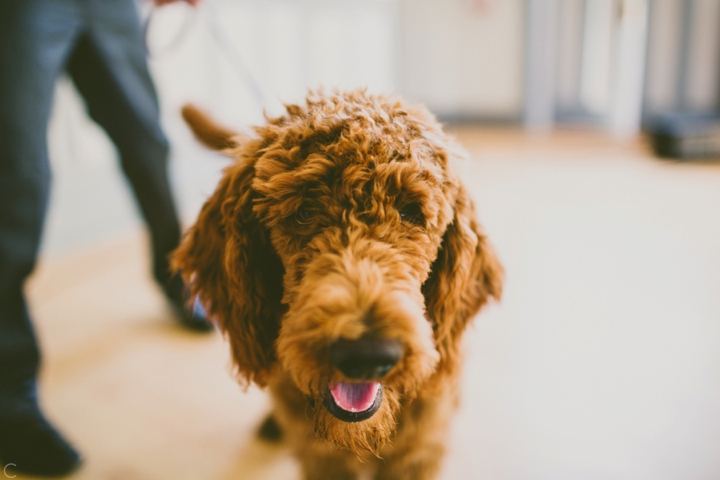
point(344, 217)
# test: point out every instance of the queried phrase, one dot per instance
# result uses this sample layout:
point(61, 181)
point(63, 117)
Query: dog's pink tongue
point(354, 397)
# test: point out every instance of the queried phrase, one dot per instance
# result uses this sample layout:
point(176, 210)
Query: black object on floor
point(33, 447)
point(686, 135)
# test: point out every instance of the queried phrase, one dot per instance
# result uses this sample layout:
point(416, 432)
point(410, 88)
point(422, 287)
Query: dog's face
point(341, 251)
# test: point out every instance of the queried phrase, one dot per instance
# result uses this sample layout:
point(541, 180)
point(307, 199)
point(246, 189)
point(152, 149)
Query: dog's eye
point(303, 215)
point(413, 214)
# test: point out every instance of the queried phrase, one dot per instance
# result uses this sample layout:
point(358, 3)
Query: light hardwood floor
point(602, 361)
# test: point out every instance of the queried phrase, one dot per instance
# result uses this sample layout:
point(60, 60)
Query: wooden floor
point(602, 362)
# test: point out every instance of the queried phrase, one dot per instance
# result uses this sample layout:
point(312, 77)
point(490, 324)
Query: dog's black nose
point(367, 357)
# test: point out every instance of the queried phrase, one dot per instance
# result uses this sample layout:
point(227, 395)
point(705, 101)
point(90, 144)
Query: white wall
point(464, 57)
point(288, 46)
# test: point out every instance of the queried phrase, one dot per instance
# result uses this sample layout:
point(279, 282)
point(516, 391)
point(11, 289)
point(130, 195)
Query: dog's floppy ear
point(228, 260)
point(464, 276)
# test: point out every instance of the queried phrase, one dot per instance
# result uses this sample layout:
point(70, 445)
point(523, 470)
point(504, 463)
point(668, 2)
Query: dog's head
point(341, 250)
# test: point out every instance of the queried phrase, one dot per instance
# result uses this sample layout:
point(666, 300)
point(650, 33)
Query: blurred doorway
point(614, 64)
point(586, 63)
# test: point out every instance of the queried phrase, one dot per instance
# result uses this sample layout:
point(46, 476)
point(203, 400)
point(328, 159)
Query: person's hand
point(160, 3)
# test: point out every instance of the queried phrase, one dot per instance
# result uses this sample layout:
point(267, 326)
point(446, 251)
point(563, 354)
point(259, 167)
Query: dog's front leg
point(420, 463)
point(337, 465)
point(419, 446)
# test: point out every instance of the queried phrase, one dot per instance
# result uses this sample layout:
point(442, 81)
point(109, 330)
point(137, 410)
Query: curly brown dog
point(342, 258)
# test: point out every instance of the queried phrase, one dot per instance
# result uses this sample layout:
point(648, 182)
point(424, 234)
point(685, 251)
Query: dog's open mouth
point(353, 402)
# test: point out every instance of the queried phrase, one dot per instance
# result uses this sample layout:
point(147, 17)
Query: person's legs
point(110, 70)
point(35, 38)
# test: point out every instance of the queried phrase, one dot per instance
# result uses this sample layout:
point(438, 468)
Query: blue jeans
point(99, 43)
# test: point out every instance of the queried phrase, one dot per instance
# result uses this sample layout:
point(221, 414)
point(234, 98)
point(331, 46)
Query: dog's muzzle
point(367, 358)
